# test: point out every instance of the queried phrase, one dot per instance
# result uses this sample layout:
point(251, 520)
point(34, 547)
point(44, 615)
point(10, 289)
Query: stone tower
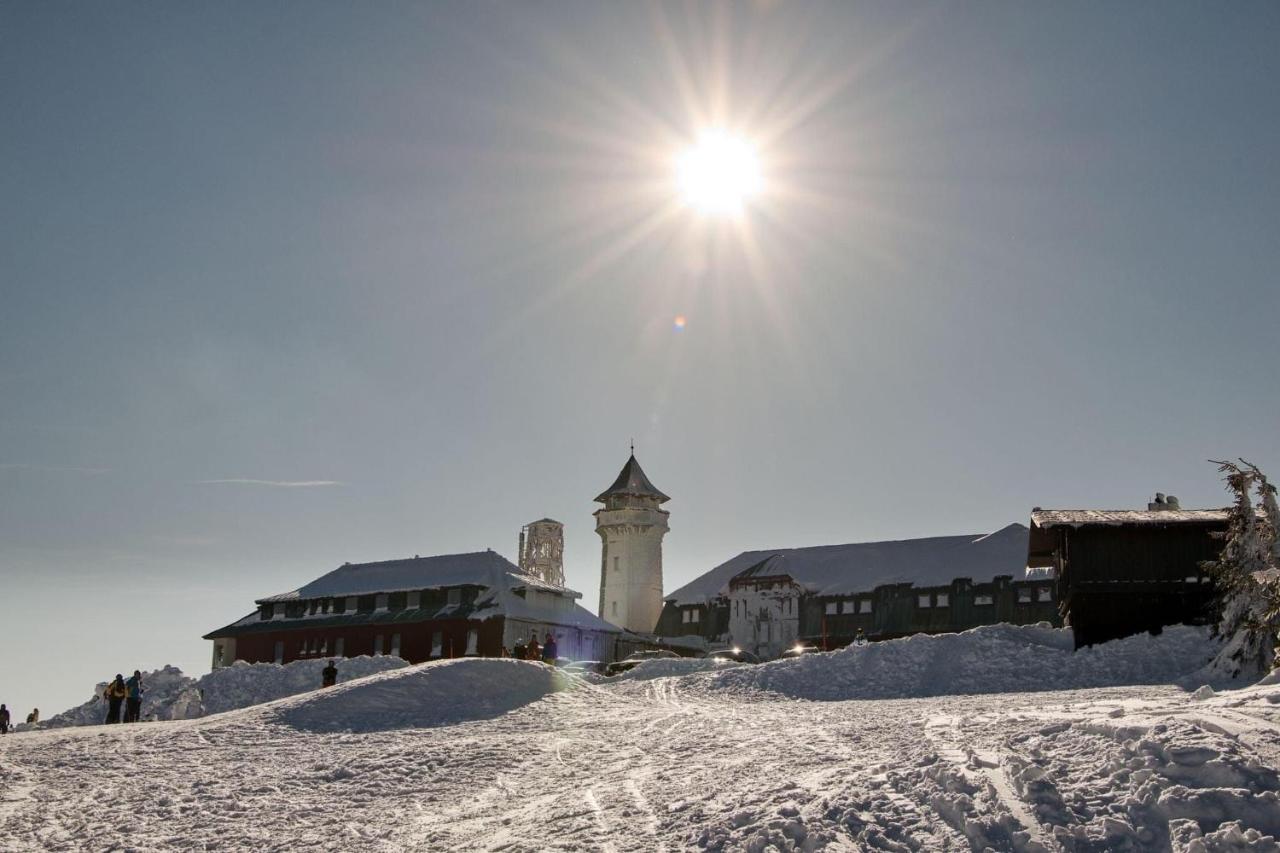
point(542, 551)
point(631, 526)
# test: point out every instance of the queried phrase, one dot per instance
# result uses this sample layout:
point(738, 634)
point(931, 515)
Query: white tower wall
point(631, 566)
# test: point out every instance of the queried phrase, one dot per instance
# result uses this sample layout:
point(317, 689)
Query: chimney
point(1162, 503)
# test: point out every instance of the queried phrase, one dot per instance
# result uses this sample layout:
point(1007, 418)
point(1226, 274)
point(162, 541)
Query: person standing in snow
point(329, 675)
point(549, 650)
point(4, 720)
point(533, 652)
point(860, 639)
point(34, 716)
point(133, 701)
point(114, 695)
point(521, 650)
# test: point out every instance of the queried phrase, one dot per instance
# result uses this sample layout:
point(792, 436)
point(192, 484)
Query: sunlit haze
point(291, 284)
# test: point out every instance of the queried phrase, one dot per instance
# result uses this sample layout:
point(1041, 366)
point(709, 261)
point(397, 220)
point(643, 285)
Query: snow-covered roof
point(632, 481)
point(862, 566)
point(479, 568)
point(506, 592)
point(1117, 517)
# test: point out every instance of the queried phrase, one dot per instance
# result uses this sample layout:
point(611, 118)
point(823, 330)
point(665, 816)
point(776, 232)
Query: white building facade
point(631, 525)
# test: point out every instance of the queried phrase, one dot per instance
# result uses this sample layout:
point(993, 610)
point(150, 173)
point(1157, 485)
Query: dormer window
point(455, 596)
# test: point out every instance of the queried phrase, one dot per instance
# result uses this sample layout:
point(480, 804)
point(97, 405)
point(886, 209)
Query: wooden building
point(418, 609)
point(766, 601)
point(1121, 572)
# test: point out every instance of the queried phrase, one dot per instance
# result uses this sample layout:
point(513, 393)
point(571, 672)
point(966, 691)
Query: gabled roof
point(633, 482)
point(1118, 517)
point(862, 566)
point(479, 568)
point(506, 592)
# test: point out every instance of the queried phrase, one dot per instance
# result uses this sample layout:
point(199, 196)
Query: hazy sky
point(285, 285)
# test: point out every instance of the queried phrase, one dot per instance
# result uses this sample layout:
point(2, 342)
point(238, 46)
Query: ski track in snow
point(661, 765)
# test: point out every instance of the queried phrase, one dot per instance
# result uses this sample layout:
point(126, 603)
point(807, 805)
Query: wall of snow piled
point(171, 695)
point(990, 659)
point(430, 694)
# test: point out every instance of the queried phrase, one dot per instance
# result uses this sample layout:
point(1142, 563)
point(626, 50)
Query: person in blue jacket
point(133, 701)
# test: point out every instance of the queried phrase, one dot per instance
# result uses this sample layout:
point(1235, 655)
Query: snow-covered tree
point(1247, 573)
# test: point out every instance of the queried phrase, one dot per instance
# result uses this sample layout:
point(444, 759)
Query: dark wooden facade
point(888, 611)
point(1121, 578)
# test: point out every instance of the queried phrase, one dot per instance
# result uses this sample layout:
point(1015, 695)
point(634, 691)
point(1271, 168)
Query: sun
point(719, 174)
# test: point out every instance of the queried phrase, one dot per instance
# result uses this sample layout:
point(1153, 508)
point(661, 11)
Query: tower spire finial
point(633, 447)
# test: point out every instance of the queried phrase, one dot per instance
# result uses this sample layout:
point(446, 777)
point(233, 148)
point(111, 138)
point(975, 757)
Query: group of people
point(547, 652)
point(6, 718)
point(126, 693)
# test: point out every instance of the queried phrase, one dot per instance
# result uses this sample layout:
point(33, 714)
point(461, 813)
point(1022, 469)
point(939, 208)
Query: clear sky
point(285, 285)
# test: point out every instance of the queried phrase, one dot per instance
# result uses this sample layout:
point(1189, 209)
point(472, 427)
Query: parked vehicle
point(736, 655)
point(633, 660)
point(799, 650)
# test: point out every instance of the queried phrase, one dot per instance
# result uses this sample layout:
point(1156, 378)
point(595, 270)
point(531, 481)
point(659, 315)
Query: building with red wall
point(419, 609)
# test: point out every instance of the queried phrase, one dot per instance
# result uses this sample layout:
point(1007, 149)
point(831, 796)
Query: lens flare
point(680, 322)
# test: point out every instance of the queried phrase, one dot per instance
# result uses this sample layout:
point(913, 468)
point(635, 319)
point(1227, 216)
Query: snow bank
point(423, 696)
point(989, 659)
point(665, 668)
point(171, 695)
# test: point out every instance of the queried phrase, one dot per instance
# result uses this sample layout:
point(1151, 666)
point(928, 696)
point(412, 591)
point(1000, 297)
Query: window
point(944, 599)
point(377, 645)
point(414, 600)
point(983, 599)
point(266, 611)
point(1044, 593)
point(613, 605)
point(279, 651)
point(315, 607)
point(833, 608)
point(217, 655)
point(1024, 596)
point(324, 646)
point(339, 647)
point(339, 605)
point(365, 603)
point(473, 641)
point(864, 606)
point(1192, 579)
point(397, 600)
point(436, 641)
point(380, 602)
point(615, 564)
point(687, 616)
point(302, 648)
point(455, 596)
point(694, 616)
point(848, 607)
point(324, 605)
point(923, 601)
point(395, 645)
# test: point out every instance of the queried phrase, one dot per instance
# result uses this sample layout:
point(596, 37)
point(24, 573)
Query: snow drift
point(990, 659)
point(423, 696)
point(171, 695)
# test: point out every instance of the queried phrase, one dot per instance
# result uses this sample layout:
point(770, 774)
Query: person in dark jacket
point(549, 650)
point(534, 651)
point(521, 650)
point(114, 696)
point(34, 716)
point(4, 720)
point(329, 675)
point(133, 701)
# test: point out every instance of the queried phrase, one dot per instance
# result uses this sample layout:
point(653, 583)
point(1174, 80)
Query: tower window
point(614, 606)
point(615, 564)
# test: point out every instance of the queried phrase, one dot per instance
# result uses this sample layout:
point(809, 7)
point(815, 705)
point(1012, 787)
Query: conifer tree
point(1247, 574)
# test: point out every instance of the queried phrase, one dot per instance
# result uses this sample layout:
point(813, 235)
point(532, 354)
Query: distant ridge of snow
point(171, 695)
point(990, 659)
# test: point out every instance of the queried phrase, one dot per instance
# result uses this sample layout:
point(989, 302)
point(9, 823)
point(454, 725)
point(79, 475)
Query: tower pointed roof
point(632, 481)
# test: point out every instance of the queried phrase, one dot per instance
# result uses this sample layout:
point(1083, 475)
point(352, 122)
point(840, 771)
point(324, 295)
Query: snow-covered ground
point(498, 754)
